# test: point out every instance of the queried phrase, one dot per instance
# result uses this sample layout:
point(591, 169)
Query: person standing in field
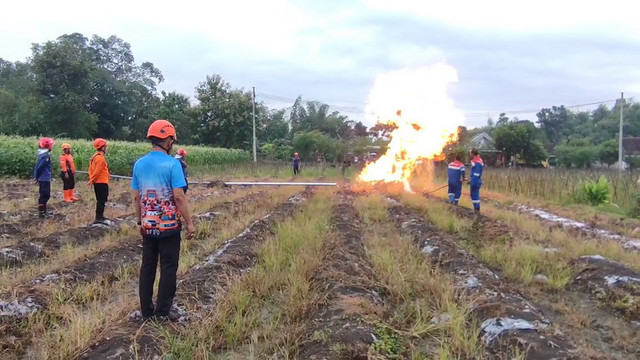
point(181, 155)
point(475, 181)
point(296, 164)
point(99, 179)
point(68, 174)
point(455, 173)
point(42, 174)
point(157, 185)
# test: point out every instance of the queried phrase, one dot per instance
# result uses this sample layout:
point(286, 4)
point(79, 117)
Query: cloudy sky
point(509, 55)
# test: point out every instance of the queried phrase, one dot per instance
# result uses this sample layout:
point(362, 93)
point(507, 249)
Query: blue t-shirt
point(155, 175)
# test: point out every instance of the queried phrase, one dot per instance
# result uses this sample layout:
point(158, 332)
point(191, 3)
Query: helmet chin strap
point(168, 151)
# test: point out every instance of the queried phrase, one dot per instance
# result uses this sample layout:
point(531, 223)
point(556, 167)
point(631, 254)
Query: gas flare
point(416, 101)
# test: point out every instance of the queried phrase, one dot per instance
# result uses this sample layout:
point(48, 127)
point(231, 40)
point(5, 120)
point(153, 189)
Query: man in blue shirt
point(42, 174)
point(455, 173)
point(162, 207)
point(475, 182)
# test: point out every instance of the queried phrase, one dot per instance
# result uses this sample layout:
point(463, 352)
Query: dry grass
point(532, 234)
point(92, 313)
point(607, 217)
point(70, 254)
point(264, 305)
point(419, 292)
point(571, 243)
point(77, 315)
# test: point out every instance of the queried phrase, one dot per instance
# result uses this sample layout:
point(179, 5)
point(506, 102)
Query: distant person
point(475, 181)
point(42, 174)
point(99, 179)
point(68, 174)
point(455, 173)
point(182, 157)
point(159, 176)
point(296, 164)
point(346, 162)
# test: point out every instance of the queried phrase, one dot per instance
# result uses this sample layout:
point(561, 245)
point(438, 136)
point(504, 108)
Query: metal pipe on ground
point(129, 178)
point(240, 183)
point(262, 183)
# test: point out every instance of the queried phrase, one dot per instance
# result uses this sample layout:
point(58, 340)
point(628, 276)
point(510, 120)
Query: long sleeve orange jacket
point(98, 169)
point(66, 163)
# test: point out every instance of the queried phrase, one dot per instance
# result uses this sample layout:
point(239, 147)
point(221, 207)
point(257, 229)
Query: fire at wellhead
point(416, 102)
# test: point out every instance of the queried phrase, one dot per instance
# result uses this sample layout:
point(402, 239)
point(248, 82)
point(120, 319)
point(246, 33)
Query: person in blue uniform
point(296, 164)
point(475, 182)
point(455, 172)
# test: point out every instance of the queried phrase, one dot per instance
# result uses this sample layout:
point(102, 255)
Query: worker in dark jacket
point(475, 182)
point(455, 172)
point(182, 157)
point(42, 174)
point(296, 164)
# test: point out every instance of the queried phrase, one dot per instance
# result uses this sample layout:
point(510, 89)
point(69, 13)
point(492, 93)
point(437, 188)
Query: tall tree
point(555, 122)
point(520, 139)
point(224, 115)
point(65, 74)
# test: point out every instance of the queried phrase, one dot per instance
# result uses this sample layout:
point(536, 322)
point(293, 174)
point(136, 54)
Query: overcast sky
point(509, 55)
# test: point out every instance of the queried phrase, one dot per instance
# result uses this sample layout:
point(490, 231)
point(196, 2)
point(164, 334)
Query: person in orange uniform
point(68, 174)
point(99, 178)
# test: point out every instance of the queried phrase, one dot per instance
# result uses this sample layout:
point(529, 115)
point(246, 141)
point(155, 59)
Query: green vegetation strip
point(18, 155)
point(419, 294)
point(259, 312)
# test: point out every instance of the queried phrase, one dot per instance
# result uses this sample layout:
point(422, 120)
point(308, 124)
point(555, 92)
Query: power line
point(476, 113)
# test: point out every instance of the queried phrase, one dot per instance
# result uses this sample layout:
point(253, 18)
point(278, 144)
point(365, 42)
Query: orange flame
point(416, 101)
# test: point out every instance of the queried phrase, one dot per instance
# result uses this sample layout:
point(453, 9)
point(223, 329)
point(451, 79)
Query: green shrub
point(18, 155)
point(594, 193)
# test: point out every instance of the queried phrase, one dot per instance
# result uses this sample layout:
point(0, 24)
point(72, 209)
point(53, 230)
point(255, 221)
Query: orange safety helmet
point(99, 143)
point(162, 129)
point(66, 146)
point(182, 152)
point(46, 143)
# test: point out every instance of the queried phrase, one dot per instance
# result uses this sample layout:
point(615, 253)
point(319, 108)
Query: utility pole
point(620, 162)
point(255, 155)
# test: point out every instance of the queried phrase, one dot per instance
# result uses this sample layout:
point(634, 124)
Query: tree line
point(80, 87)
point(570, 139)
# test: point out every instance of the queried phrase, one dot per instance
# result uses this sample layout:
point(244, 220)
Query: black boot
point(476, 211)
point(42, 211)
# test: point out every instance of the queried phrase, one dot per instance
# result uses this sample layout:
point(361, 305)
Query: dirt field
point(323, 273)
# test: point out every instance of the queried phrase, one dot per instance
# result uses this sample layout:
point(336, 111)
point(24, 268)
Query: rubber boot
point(476, 211)
point(73, 195)
point(66, 196)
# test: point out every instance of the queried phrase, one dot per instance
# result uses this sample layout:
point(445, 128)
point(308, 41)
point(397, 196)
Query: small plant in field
point(635, 211)
point(388, 343)
point(322, 336)
point(341, 349)
point(594, 193)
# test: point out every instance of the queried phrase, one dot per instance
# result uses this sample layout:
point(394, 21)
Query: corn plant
point(18, 155)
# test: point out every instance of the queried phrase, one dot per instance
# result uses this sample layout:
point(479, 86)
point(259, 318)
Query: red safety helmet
point(182, 152)
point(162, 129)
point(46, 143)
point(99, 143)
